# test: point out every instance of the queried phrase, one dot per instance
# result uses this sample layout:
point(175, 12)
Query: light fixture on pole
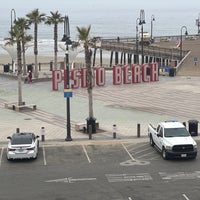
point(12, 14)
point(66, 39)
point(181, 44)
point(152, 19)
point(142, 21)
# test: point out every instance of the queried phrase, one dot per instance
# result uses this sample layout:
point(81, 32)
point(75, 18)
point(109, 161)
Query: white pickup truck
point(173, 140)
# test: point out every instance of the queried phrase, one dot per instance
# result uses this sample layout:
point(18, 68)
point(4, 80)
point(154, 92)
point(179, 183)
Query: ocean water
point(108, 18)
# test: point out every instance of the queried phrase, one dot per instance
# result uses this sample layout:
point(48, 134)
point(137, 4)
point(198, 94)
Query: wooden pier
point(131, 52)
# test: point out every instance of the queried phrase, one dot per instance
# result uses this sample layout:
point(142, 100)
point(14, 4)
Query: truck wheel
point(151, 141)
point(164, 154)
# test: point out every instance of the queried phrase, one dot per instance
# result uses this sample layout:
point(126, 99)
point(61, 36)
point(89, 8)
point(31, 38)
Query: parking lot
point(126, 168)
point(115, 171)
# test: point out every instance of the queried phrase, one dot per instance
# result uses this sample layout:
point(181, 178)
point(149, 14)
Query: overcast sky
point(64, 6)
point(170, 14)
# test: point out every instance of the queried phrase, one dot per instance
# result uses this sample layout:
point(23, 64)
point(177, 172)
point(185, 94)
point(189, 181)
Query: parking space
point(142, 152)
point(90, 154)
point(124, 171)
point(64, 155)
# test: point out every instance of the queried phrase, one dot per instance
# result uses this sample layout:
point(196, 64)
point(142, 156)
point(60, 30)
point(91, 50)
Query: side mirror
point(158, 135)
point(37, 136)
point(9, 138)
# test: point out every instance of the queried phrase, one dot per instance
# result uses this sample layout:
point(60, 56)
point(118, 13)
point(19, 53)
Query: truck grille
point(183, 148)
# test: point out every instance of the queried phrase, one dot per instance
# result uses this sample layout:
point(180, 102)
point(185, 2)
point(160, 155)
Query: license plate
point(183, 155)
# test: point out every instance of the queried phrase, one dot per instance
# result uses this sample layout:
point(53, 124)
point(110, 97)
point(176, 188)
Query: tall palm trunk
point(24, 57)
point(19, 74)
point(36, 50)
point(88, 55)
point(55, 45)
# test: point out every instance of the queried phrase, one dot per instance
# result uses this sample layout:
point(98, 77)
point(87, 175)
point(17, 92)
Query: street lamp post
point(142, 21)
point(198, 24)
point(152, 19)
point(181, 43)
point(136, 38)
point(12, 19)
point(66, 39)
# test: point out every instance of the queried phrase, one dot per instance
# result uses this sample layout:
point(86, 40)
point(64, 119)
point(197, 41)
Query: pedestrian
point(30, 77)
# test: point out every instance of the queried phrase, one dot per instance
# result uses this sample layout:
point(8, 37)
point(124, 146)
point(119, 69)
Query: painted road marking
point(185, 197)
point(128, 152)
point(133, 161)
point(88, 158)
point(70, 180)
point(146, 154)
point(44, 156)
point(128, 177)
point(180, 175)
point(138, 152)
point(137, 147)
point(1, 155)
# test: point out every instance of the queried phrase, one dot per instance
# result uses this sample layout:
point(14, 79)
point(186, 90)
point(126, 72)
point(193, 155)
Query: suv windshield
point(176, 132)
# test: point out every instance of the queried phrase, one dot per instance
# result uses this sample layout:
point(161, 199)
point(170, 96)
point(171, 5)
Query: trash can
point(193, 127)
point(91, 122)
point(171, 72)
point(6, 68)
point(29, 68)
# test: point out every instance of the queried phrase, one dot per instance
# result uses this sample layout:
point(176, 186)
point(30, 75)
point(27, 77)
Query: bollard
point(17, 130)
point(42, 132)
point(138, 130)
point(114, 131)
point(90, 132)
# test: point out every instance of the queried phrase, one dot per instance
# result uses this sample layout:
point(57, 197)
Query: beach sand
point(44, 62)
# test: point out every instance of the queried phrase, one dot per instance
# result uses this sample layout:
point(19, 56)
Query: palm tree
point(23, 24)
point(16, 35)
point(55, 19)
point(83, 35)
point(35, 18)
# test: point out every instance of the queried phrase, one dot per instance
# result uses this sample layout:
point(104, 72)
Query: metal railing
point(155, 51)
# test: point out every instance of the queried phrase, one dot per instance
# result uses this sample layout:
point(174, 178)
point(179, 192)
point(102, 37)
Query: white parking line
point(84, 149)
point(146, 154)
point(1, 155)
point(185, 197)
point(137, 147)
point(138, 152)
point(128, 152)
point(44, 156)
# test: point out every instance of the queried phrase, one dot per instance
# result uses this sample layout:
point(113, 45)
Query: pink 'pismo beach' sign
point(127, 74)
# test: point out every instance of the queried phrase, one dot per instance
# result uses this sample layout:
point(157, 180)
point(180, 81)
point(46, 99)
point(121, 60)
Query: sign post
point(68, 93)
point(195, 60)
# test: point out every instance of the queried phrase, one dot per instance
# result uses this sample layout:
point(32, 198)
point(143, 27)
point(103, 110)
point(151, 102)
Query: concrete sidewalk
point(124, 105)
